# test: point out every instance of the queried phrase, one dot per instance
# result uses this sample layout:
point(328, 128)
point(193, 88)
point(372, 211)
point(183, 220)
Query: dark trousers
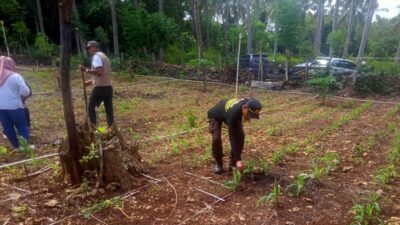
point(236, 139)
point(11, 119)
point(99, 95)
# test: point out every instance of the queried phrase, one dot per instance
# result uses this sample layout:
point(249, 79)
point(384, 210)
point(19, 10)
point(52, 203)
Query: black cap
point(254, 108)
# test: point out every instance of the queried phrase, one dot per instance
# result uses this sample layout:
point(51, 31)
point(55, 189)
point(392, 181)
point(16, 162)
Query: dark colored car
point(256, 63)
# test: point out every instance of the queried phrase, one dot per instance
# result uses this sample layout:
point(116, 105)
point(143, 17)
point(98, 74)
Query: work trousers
point(99, 95)
point(11, 120)
point(236, 139)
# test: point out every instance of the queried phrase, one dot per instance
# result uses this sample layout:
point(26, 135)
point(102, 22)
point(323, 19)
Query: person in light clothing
point(103, 90)
point(12, 90)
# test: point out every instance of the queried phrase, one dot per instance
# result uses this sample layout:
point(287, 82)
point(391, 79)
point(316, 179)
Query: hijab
point(7, 67)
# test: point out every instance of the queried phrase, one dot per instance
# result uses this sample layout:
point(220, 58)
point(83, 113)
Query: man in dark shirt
point(231, 112)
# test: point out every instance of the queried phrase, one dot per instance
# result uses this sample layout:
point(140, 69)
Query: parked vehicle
point(337, 66)
point(253, 64)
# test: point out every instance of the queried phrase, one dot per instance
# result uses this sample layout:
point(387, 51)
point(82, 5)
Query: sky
point(391, 5)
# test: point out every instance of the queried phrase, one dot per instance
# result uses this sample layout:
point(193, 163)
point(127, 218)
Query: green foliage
point(379, 83)
point(101, 205)
point(272, 197)
point(336, 39)
point(175, 149)
point(297, 188)
point(92, 154)
point(386, 174)
point(288, 18)
point(368, 213)
point(323, 84)
point(201, 63)
point(191, 119)
point(331, 161)
point(101, 36)
point(234, 183)
point(43, 49)
point(22, 209)
point(3, 151)
point(142, 29)
point(317, 171)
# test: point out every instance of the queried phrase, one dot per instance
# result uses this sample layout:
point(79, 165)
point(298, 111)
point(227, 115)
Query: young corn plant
point(191, 119)
point(251, 164)
point(234, 183)
point(101, 205)
point(317, 171)
point(297, 188)
point(386, 174)
point(366, 214)
point(3, 151)
point(272, 197)
point(331, 160)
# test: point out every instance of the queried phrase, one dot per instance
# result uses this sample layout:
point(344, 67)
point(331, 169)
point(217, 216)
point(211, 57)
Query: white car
point(338, 66)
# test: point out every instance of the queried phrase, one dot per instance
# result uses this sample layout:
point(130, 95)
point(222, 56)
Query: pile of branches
point(226, 74)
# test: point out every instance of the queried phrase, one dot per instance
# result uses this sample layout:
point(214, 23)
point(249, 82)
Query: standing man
point(231, 112)
point(103, 90)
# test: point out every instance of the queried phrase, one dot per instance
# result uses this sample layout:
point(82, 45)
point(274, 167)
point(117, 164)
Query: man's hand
point(240, 166)
point(82, 68)
point(88, 82)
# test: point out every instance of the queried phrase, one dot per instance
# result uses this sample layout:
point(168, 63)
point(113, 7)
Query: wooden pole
point(237, 65)
point(5, 38)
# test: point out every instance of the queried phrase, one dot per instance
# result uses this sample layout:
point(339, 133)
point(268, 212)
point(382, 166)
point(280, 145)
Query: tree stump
point(108, 154)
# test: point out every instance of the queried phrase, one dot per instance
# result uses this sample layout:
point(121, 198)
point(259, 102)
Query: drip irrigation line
point(28, 160)
point(363, 100)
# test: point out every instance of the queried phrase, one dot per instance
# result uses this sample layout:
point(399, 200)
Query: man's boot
point(232, 165)
point(219, 169)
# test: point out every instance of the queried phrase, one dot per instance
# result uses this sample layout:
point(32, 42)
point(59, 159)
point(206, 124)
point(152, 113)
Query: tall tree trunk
point(318, 30)
point(334, 24)
point(226, 13)
point(70, 158)
point(397, 59)
point(115, 28)
point(39, 11)
point(161, 12)
point(275, 44)
point(248, 24)
point(364, 38)
point(287, 64)
point(350, 26)
point(207, 15)
point(80, 44)
point(197, 26)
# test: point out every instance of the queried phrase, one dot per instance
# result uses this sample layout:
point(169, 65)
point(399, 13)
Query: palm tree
point(161, 12)
point(40, 16)
point(318, 30)
point(334, 24)
point(248, 24)
point(115, 28)
point(350, 26)
point(372, 6)
point(197, 26)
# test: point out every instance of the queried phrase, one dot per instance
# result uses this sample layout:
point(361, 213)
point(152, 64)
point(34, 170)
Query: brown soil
point(174, 191)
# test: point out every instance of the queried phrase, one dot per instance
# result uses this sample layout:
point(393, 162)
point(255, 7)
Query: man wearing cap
point(231, 112)
point(103, 90)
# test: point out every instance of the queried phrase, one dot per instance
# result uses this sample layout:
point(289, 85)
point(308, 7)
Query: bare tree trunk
point(80, 42)
point(39, 11)
point(249, 33)
point(115, 28)
point(197, 26)
point(226, 13)
point(287, 65)
point(207, 15)
point(334, 24)
point(318, 31)
point(364, 38)
point(349, 29)
point(275, 45)
point(70, 157)
point(161, 12)
point(77, 41)
point(397, 59)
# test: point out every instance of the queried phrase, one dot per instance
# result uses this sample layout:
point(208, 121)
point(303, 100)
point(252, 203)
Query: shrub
point(323, 84)
point(374, 83)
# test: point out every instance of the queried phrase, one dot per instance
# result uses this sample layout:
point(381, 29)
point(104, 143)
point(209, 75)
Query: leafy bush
point(201, 63)
point(323, 84)
point(43, 49)
point(374, 83)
